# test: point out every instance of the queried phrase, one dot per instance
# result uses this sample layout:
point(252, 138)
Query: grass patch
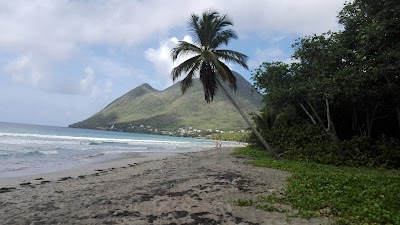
point(265, 203)
point(243, 202)
point(354, 195)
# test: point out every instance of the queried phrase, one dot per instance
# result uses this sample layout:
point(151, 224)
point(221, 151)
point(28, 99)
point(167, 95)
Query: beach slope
point(189, 188)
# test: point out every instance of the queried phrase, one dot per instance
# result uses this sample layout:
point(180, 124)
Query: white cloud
point(55, 31)
point(90, 86)
point(161, 57)
point(28, 70)
point(18, 67)
point(162, 61)
point(87, 83)
point(58, 28)
point(98, 91)
point(301, 17)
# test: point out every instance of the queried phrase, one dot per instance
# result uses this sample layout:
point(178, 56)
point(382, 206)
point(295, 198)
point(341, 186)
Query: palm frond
point(186, 66)
point(183, 49)
point(224, 21)
point(223, 37)
point(230, 78)
point(198, 27)
point(232, 56)
point(224, 72)
point(187, 82)
point(219, 33)
point(195, 29)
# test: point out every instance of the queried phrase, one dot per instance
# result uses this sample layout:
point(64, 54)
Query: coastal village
point(179, 132)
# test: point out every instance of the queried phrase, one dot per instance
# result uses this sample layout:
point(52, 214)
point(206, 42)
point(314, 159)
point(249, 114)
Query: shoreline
point(185, 188)
point(101, 166)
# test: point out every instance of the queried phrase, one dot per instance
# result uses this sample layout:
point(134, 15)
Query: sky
point(61, 61)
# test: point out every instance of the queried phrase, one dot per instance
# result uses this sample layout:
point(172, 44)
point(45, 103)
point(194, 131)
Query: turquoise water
point(33, 149)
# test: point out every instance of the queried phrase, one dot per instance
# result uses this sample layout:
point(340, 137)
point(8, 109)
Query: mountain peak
point(141, 90)
point(169, 109)
point(147, 86)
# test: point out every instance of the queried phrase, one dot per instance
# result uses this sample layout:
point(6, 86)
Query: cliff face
point(169, 109)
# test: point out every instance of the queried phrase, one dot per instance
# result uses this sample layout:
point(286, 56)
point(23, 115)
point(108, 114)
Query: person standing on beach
point(217, 144)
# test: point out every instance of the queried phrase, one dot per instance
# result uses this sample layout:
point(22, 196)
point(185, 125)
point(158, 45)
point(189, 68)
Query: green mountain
point(169, 109)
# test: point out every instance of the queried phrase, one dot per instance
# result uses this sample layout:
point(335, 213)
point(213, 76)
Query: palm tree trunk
point(266, 145)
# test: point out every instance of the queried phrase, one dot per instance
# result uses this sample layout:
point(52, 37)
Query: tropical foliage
point(342, 91)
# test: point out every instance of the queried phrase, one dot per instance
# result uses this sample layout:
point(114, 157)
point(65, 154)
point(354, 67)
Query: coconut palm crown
point(209, 32)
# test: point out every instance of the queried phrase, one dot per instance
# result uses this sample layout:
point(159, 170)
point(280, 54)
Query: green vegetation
point(239, 137)
point(267, 203)
point(310, 143)
point(352, 195)
point(339, 101)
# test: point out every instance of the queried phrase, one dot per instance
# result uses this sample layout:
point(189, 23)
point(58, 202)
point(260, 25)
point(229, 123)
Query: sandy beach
point(184, 188)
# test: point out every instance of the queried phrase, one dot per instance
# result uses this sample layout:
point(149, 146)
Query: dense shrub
point(309, 143)
point(301, 142)
point(363, 151)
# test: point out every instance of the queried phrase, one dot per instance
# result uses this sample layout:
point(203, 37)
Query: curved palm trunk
point(266, 145)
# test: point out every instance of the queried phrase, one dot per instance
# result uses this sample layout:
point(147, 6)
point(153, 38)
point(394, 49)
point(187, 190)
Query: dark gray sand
point(190, 188)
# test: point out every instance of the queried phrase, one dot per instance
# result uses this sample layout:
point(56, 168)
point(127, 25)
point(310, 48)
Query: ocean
point(35, 149)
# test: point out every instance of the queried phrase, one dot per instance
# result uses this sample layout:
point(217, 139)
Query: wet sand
point(185, 188)
point(101, 166)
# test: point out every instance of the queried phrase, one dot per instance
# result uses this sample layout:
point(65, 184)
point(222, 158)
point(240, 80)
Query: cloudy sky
point(63, 60)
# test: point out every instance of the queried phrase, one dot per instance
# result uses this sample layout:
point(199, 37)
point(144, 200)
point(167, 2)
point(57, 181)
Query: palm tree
point(205, 58)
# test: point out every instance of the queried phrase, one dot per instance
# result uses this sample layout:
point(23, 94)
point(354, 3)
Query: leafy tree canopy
point(346, 83)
